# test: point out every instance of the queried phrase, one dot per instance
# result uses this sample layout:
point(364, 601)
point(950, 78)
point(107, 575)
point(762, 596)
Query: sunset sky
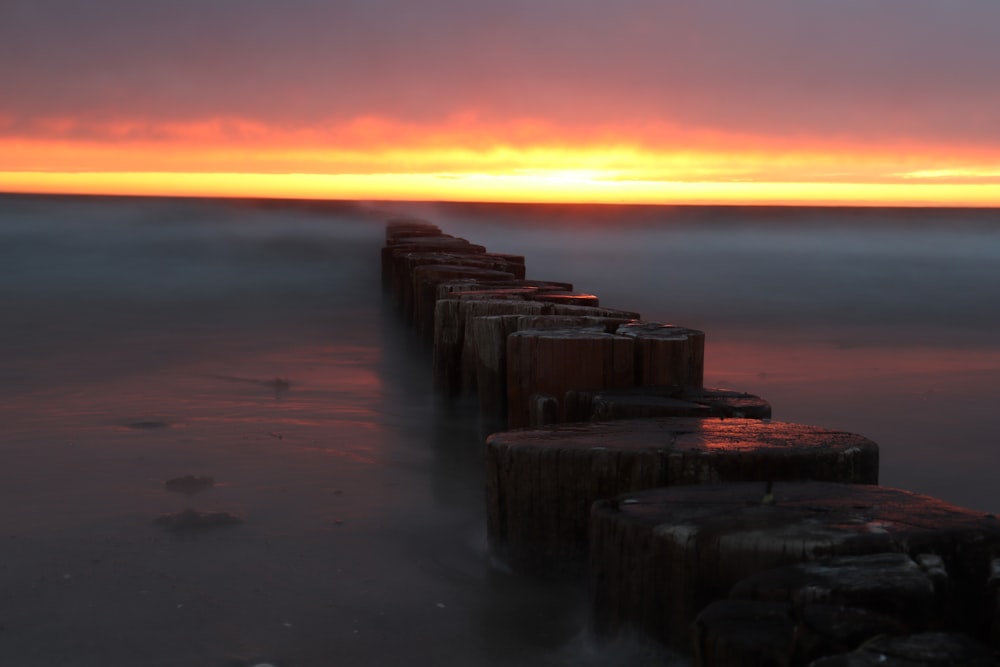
point(770, 101)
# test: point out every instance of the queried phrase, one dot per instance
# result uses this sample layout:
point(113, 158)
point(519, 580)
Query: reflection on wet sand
point(930, 409)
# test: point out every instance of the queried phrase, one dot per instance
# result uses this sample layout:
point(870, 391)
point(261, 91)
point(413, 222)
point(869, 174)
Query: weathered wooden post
point(797, 613)
point(430, 243)
point(404, 265)
point(556, 362)
point(670, 401)
point(445, 290)
point(666, 354)
point(924, 649)
point(549, 362)
point(451, 332)
point(541, 483)
point(485, 348)
point(425, 281)
point(450, 321)
point(569, 298)
point(402, 228)
point(455, 347)
point(659, 557)
point(486, 343)
point(405, 259)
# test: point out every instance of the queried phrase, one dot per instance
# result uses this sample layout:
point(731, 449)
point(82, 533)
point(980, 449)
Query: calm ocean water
point(141, 340)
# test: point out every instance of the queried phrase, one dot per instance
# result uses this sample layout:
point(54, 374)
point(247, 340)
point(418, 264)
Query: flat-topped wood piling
point(454, 368)
point(428, 243)
point(659, 557)
point(541, 483)
point(546, 363)
point(463, 345)
point(400, 228)
point(404, 263)
point(543, 365)
point(798, 613)
point(667, 355)
point(426, 279)
point(663, 401)
point(485, 344)
point(925, 649)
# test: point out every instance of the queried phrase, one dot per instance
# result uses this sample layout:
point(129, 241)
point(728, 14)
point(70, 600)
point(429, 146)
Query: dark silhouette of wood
point(404, 265)
point(928, 649)
point(828, 607)
point(425, 281)
point(446, 289)
point(454, 346)
point(670, 401)
point(437, 243)
point(734, 633)
point(401, 228)
point(554, 362)
point(569, 298)
point(541, 482)
point(486, 344)
point(550, 362)
point(667, 354)
point(659, 557)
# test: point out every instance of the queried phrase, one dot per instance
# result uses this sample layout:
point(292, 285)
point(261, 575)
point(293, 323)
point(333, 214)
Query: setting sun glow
point(525, 161)
point(652, 101)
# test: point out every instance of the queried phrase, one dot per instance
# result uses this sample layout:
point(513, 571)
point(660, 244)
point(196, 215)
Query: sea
point(146, 339)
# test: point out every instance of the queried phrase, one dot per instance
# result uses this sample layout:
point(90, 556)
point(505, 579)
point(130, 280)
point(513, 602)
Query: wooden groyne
point(567, 468)
point(688, 512)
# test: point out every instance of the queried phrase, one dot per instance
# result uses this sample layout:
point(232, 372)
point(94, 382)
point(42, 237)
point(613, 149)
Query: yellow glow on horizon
point(960, 173)
point(581, 186)
point(468, 159)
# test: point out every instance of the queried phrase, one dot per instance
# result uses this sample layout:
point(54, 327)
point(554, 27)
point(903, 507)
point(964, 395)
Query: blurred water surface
point(145, 339)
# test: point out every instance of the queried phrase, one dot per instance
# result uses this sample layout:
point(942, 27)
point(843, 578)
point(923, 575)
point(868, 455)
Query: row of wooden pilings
point(692, 515)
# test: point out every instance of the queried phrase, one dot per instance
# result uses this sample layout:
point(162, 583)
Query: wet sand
point(362, 539)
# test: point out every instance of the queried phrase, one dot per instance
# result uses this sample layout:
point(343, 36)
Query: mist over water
point(83, 273)
point(145, 339)
point(760, 268)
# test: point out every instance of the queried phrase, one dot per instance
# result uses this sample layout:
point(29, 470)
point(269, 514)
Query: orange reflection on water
point(104, 447)
point(931, 410)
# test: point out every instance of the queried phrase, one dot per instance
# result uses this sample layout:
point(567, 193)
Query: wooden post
point(924, 649)
point(798, 613)
point(569, 298)
point(542, 482)
point(489, 340)
point(451, 331)
point(659, 557)
point(554, 361)
point(404, 264)
point(439, 243)
point(423, 243)
point(425, 281)
point(445, 289)
point(485, 352)
point(576, 310)
point(667, 355)
point(408, 228)
point(671, 401)
point(513, 264)
point(993, 595)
